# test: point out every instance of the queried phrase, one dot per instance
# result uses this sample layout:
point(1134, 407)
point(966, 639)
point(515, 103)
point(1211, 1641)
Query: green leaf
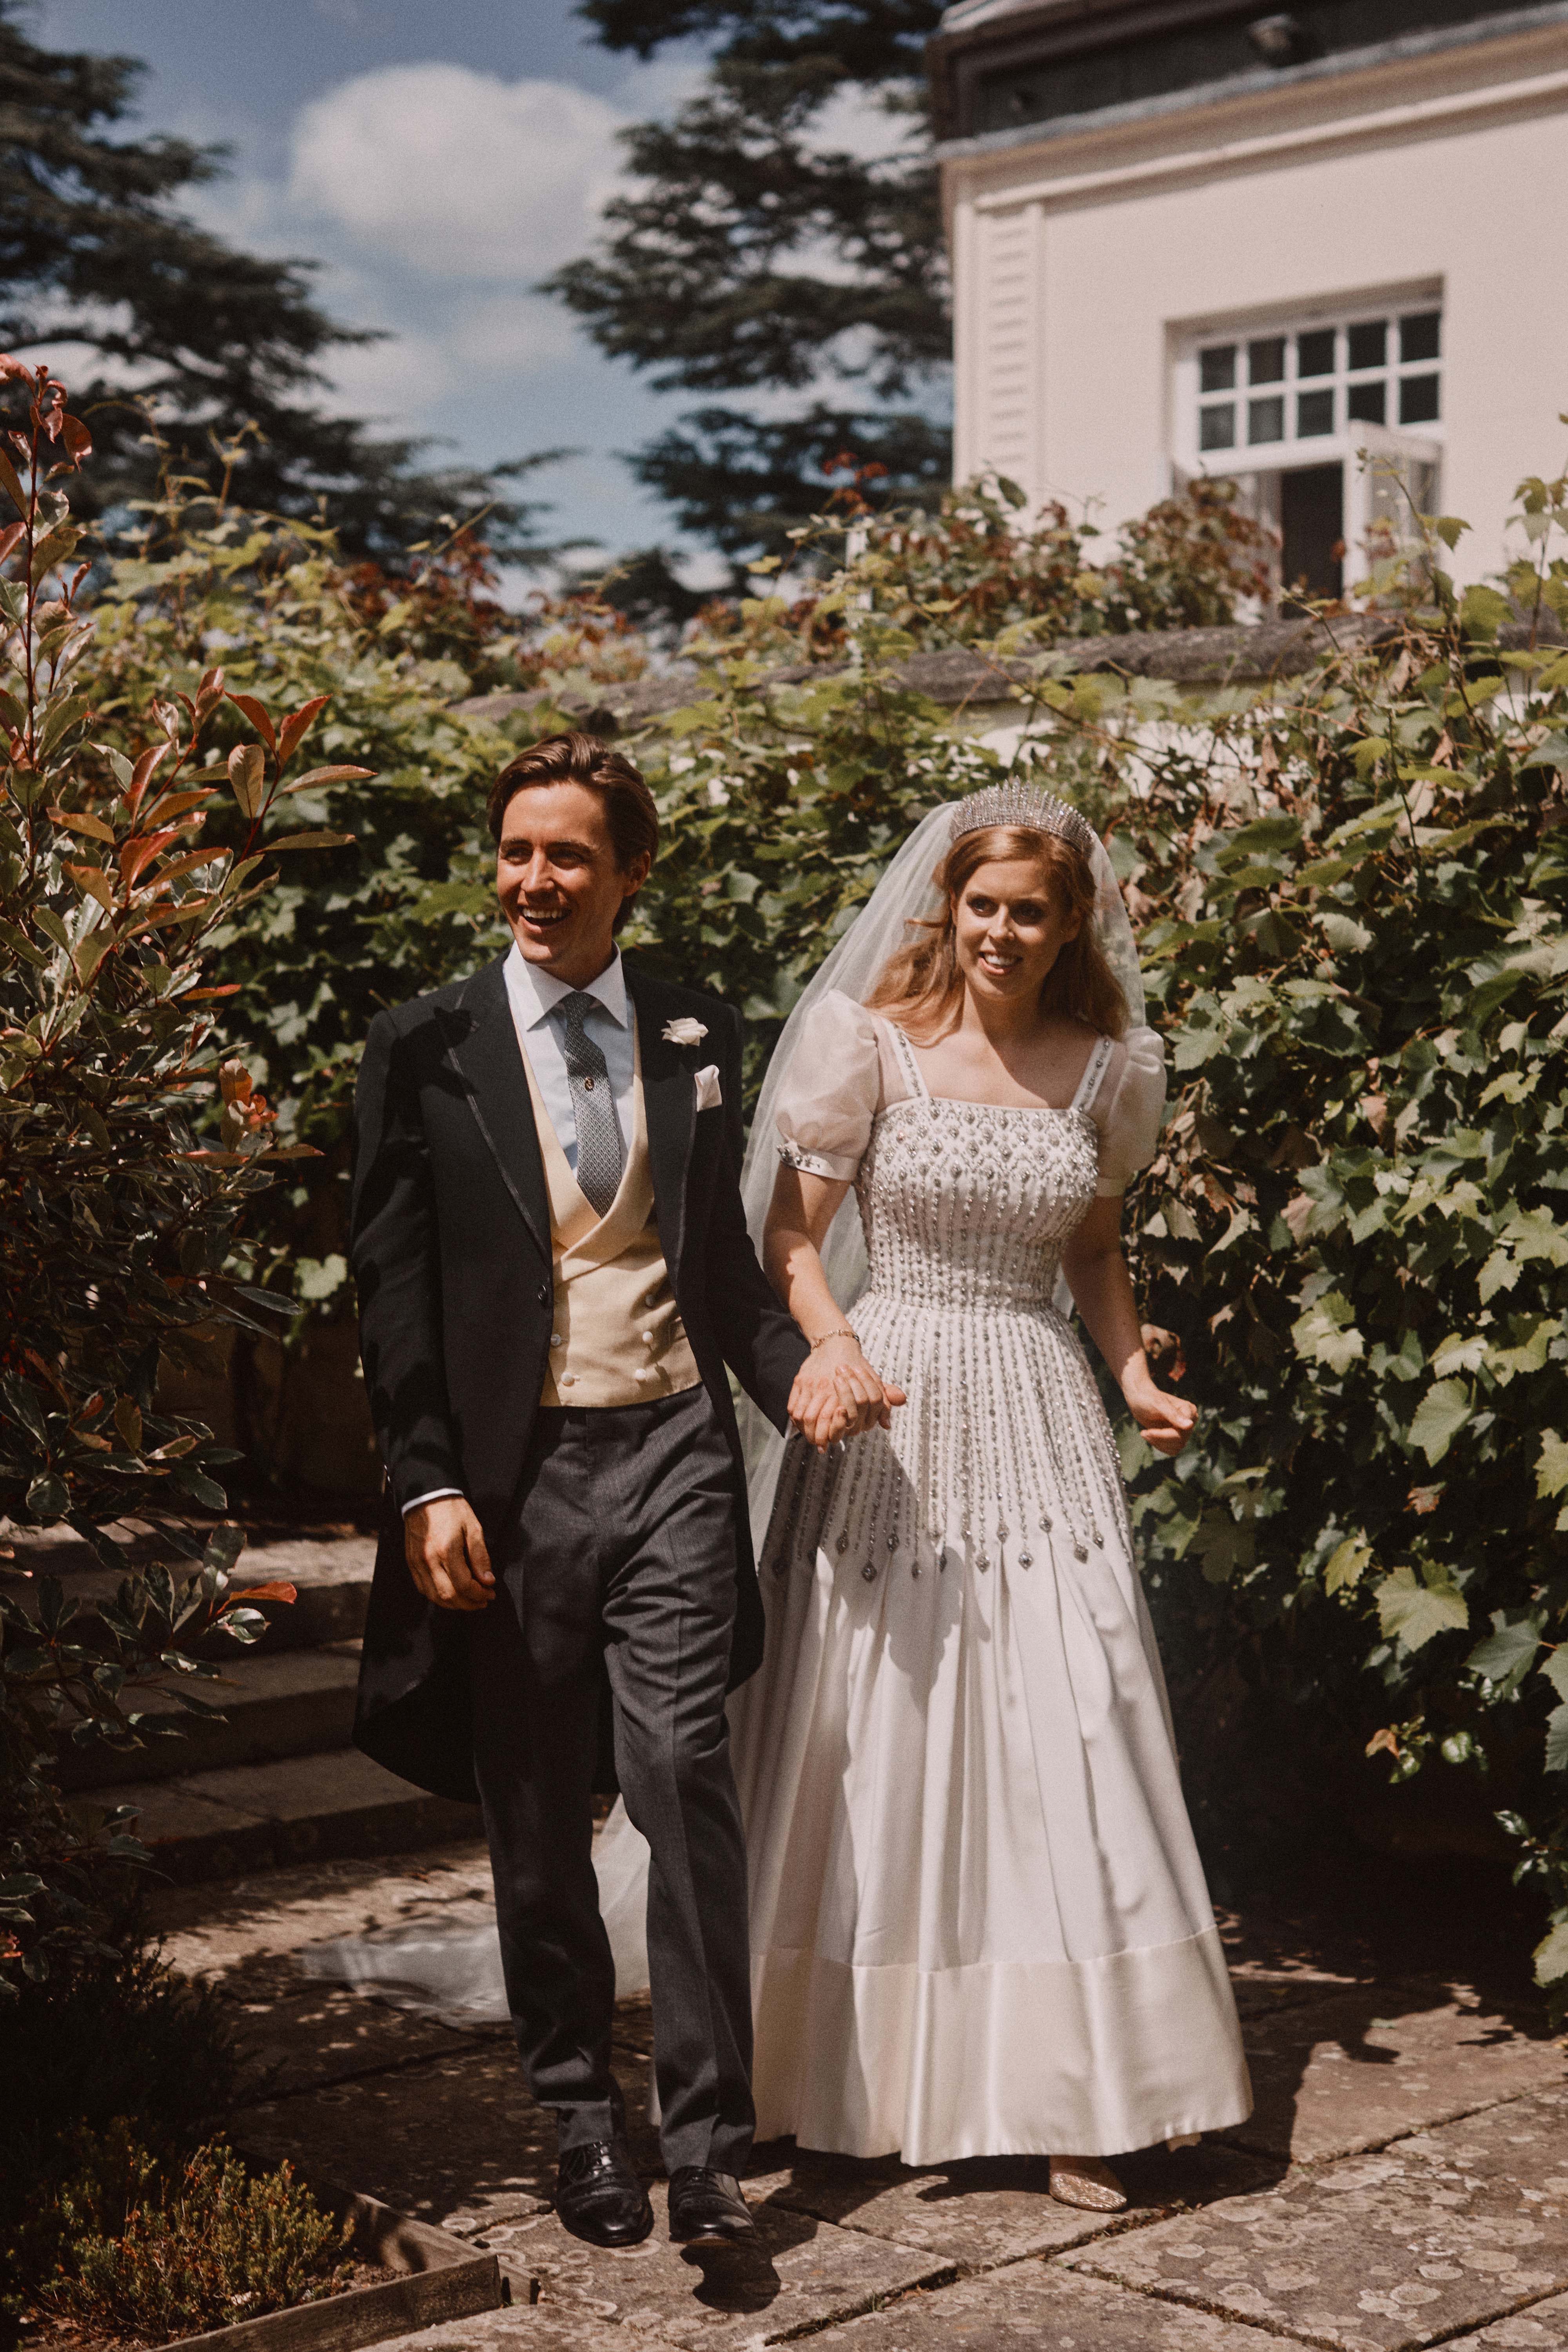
point(47, 1500)
point(1508, 1653)
point(1500, 1272)
point(1325, 1334)
point(1224, 1545)
point(1439, 1417)
point(20, 944)
point(1554, 1666)
point(1551, 1464)
point(1483, 612)
point(1411, 1612)
point(1345, 1562)
point(1557, 1740)
point(319, 840)
point(1343, 934)
point(1529, 1353)
point(1550, 1954)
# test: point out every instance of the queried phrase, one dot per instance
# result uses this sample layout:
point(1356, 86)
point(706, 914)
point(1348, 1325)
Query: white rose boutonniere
point(684, 1032)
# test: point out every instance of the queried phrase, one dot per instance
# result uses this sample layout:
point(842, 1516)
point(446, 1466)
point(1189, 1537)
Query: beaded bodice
point(1001, 1454)
point(969, 1205)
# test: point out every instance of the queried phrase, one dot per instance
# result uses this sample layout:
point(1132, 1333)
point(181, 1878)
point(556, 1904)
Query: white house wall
point(1081, 258)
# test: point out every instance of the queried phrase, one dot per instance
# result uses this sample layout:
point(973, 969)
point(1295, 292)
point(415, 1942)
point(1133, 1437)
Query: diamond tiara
point(1023, 804)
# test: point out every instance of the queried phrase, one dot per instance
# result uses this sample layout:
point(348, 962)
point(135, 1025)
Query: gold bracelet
point(843, 1332)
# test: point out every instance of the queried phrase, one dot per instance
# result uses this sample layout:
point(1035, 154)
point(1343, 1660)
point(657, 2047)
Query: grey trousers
point(620, 1548)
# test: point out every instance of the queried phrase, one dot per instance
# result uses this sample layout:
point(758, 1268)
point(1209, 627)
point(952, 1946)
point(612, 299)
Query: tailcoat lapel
point(483, 1049)
point(669, 1107)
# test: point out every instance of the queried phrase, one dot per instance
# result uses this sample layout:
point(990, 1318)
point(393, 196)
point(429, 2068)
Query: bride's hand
point(837, 1393)
point(1166, 1422)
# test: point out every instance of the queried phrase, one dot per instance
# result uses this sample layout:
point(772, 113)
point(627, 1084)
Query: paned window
point(1269, 392)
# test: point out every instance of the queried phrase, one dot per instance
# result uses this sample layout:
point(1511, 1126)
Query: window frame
point(1189, 340)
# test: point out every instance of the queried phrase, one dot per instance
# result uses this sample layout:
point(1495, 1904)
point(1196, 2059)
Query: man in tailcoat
point(554, 1272)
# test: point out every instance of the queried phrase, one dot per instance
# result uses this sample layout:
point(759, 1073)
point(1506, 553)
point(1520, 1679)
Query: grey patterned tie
point(600, 1152)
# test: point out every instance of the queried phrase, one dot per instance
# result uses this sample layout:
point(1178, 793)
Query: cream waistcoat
point(616, 1337)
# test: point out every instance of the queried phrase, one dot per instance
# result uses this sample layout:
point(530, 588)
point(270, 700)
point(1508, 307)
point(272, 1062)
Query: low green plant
point(1355, 929)
point(118, 1217)
point(114, 2040)
point(153, 2255)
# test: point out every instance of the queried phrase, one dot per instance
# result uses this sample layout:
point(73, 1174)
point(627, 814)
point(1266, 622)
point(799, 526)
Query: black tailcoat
point(451, 1254)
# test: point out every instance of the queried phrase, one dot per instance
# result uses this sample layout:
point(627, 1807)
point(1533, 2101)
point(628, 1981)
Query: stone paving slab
point(297, 2036)
point(1032, 2309)
point(1542, 2329)
point(1341, 2075)
point(210, 1928)
point(1446, 2232)
point(546, 2327)
point(1291, 1955)
point(987, 2211)
point(804, 2274)
point(455, 2140)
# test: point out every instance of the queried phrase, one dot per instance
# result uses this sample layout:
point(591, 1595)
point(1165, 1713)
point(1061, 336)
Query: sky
point(436, 161)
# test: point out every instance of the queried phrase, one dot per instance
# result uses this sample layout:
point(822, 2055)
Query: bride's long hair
point(922, 986)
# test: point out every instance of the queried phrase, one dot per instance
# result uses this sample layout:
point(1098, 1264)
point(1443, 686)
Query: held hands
point(445, 1547)
point(1166, 1422)
point(838, 1394)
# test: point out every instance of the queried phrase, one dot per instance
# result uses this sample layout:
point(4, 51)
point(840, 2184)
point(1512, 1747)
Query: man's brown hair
point(630, 816)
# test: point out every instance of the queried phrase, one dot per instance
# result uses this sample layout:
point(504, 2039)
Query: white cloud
point(506, 338)
point(457, 172)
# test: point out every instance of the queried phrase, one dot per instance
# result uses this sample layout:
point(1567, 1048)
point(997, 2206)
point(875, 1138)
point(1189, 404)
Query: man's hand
point(836, 1394)
point(445, 1547)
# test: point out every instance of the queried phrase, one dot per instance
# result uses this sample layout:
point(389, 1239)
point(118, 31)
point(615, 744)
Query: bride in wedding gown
point(979, 1922)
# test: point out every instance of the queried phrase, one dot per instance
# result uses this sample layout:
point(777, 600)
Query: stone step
point(289, 1703)
point(247, 1817)
point(330, 1575)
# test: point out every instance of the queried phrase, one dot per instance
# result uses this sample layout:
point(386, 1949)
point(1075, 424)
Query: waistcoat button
point(568, 1380)
point(556, 1340)
point(648, 1338)
point(641, 1373)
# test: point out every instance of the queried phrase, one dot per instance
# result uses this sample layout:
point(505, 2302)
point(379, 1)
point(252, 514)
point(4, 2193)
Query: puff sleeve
point(1130, 1109)
point(830, 1091)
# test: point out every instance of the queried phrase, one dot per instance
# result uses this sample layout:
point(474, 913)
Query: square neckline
point(1099, 1053)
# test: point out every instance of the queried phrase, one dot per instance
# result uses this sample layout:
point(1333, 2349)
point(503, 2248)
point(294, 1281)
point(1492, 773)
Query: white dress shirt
point(535, 997)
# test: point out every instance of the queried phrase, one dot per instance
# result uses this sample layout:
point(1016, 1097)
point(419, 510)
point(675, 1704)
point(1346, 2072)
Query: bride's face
point(1009, 927)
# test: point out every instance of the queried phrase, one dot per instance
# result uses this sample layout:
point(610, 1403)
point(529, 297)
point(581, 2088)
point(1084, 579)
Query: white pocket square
point(709, 1093)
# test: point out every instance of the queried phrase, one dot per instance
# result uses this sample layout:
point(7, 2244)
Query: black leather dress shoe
point(598, 2196)
point(706, 2209)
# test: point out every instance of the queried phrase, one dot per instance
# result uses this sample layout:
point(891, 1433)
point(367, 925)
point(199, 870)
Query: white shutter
point(1009, 312)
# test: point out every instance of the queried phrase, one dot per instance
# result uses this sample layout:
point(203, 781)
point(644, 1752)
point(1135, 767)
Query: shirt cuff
point(433, 1496)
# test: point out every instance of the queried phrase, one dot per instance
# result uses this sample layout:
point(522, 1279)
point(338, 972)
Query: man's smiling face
point(558, 882)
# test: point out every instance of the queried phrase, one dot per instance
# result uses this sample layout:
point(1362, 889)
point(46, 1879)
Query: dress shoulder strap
point(906, 1054)
point(1094, 1070)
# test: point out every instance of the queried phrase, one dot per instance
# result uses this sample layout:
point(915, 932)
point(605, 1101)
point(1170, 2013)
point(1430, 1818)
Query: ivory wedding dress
point(979, 1922)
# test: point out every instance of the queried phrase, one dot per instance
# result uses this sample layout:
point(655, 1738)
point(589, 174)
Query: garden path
point(1403, 2182)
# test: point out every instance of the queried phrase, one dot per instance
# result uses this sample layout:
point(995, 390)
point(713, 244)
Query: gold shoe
point(1087, 2182)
